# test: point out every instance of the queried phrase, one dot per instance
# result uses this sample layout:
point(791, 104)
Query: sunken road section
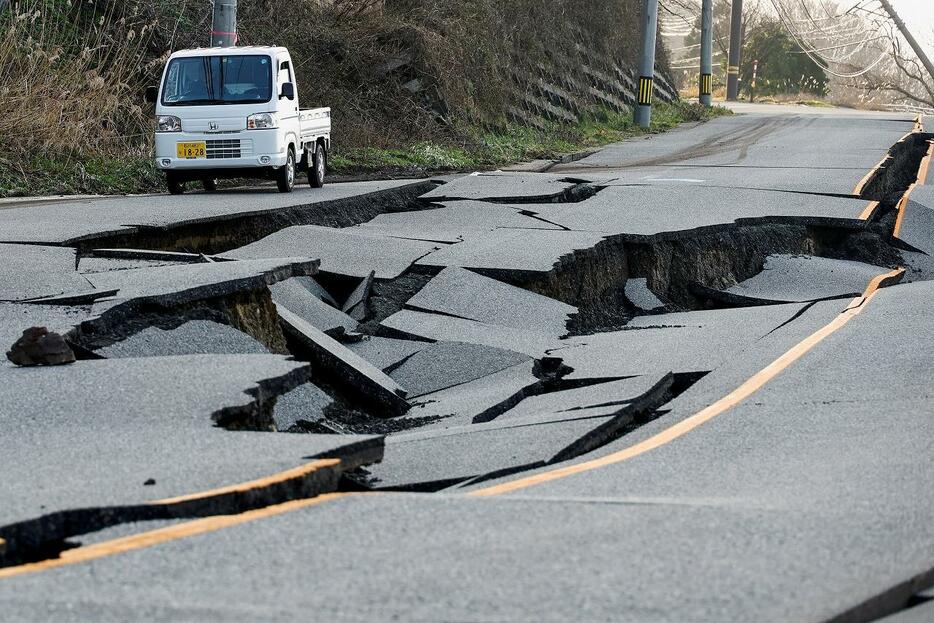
point(495, 325)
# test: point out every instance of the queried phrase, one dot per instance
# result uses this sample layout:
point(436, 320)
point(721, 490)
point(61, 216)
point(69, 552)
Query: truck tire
point(174, 184)
point(317, 167)
point(285, 176)
point(209, 184)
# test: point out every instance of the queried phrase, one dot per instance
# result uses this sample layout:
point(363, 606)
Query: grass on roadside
point(516, 143)
point(48, 175)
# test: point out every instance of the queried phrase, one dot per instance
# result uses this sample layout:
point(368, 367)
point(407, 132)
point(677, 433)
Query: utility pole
point(643, 109)
point(736, 46)
point(909, 37)
point(224, 29)
point(706, 54)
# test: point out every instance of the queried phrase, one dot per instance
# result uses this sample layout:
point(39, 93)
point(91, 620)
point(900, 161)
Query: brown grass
point(70, 80)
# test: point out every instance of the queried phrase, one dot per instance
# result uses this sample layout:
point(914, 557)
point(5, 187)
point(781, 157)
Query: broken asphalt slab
point(82, 441)
point(452, 223)
point(347, 252)
point(802, 278)
point(385, 352)
point(339, 365)
point(33, 271)
point(195, 337)
point(695, 341)
point(502, 186)
point(181, 283)
point(445, 364)
point(72, 221)
point(438, 327)
point(460, 405)
point(515, 443)
point(640, 210)
point(513, 250)
point(306, 404)
point(917, 221)
point(298, 299)
point(466, 294)
point(808, 278)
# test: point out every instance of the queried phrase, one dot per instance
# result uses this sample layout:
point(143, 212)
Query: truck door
point(288, 109)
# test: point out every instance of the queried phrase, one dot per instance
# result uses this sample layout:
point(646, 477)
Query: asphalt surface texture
point(685, 378)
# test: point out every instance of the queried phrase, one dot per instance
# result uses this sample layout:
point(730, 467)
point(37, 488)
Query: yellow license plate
point(191, 150)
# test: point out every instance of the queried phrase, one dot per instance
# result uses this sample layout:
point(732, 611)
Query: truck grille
point(226, 148)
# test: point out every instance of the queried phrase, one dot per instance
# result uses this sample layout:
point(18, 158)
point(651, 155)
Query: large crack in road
point(496, 325)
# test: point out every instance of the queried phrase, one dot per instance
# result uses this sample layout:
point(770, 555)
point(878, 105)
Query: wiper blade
point(192, 102)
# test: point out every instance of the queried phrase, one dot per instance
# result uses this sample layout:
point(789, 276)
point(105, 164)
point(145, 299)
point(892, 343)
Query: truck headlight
point(262, 121)
point(168, 123)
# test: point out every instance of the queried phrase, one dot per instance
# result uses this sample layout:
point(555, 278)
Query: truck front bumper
point(258, 149)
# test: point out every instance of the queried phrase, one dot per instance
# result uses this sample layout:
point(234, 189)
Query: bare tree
point(859, 43)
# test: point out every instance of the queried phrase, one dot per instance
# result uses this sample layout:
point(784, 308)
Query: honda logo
point(213, 126)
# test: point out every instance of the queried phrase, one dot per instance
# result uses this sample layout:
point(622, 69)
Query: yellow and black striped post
point(645, 91)
point(706, 85)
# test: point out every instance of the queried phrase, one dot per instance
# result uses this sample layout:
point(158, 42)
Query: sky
point(919, 17)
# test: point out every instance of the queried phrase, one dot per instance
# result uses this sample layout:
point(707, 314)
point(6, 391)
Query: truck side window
point(285, 74)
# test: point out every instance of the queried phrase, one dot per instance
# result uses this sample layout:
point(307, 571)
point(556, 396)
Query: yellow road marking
point(926, 164)
point(869, 211)
point(862, 183)
point(902, 204)
point(741, 393)
point(163, 535)
point(290, 474)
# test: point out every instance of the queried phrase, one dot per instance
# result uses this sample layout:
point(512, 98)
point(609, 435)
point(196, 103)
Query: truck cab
point(233, 113)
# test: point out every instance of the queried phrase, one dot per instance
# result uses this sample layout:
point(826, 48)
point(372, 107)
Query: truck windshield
point(204, 80)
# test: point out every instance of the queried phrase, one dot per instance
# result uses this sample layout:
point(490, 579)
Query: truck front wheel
point(317, 168)
point(174, 184)
point(285, 176)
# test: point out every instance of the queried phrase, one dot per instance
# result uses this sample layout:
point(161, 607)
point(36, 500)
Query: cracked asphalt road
point(684, 379)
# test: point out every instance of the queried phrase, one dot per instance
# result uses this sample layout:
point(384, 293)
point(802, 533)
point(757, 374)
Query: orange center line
point(926, 164)
point(902, 205)
point(163, 535)
point(291, 474)
point(741, 393)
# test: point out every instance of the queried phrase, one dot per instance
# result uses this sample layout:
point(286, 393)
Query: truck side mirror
point(152, 95)
point(288, 91)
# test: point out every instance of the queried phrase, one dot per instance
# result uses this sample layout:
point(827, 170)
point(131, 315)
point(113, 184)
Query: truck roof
point(233, 51)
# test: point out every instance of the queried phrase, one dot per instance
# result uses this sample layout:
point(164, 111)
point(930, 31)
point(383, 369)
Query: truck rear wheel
point(318, 166)
point(174, 184)
point(285, 176)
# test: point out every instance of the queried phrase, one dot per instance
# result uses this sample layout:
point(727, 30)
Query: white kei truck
point(233, 112)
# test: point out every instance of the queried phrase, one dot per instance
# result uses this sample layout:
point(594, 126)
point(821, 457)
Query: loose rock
point(40, 347)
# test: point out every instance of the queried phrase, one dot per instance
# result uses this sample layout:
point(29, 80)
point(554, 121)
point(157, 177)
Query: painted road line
point(861, 186)
point(869, 211)
point(293, 474)
point(290, 477)
point(926, 165)
point(741, 393)
point(163, 535)
point(902, 204)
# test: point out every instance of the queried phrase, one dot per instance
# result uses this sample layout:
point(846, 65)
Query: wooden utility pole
point(736, 49)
